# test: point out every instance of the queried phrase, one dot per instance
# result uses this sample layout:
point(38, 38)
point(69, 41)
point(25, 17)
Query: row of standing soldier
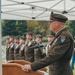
point(17, 48)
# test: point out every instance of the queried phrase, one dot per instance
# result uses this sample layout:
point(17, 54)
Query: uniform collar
point(58, 34)
point(39, 42)
point(60, 30)
point(11, 43)
point(30, 40)
point(16, 44)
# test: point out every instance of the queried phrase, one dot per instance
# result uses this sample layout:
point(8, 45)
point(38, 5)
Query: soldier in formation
point(16, 48)
point(29, 53)
point(22, 49)
point(38, 52)
point(7, 49)
point(11, 49)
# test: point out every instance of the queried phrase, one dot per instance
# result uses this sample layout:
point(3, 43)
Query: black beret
point(22, 38)
point(16, 37)
point(7, 38)
point(38, 36)
point(29, 33)
point(11, 37)
point(58, 17)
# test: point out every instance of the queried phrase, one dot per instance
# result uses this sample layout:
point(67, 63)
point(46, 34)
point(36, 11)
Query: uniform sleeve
point(55, 54)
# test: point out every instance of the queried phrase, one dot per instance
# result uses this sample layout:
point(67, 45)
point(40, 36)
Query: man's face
point(50, 39)
point(28, 37)
point(16, 40)
point(11, 39)
point(53, 25)
point(38, 40)
point(7, 42)
point(22, 41)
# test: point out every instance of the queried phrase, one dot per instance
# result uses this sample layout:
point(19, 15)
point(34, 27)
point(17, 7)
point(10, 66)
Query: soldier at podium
point(61, 49)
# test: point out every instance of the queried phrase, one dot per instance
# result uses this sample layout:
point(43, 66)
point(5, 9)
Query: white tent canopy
point(36, 9)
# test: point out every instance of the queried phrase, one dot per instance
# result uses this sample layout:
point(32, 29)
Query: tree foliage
point(73, 27)
point(19, 27)
point(8, 27)
point(13, 27)
point(38, 27)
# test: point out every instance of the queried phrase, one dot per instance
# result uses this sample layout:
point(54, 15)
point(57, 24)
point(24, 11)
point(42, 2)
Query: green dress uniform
point(29, 53)
point(16, 51)
point(11, 51)
point(38, 53)
point(21, 52)
point(7, 51)
point(59, 55)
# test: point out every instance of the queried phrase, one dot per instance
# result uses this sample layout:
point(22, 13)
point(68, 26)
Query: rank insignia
point(63, 38)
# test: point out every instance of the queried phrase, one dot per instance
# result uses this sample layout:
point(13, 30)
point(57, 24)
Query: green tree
point(8, 27)
point(14, 27)
point(21, 27)
point(68, 25)
point(37, 31)
point(32, 25)
point(42, 26)
point(73, 27)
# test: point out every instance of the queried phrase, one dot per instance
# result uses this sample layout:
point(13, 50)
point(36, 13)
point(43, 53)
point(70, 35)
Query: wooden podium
point(15, 68)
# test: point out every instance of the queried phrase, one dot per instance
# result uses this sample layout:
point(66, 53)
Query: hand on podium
point(26, 68)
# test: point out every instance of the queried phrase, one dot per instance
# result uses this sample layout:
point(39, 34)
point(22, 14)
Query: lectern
point(23, 62)
point(15, 68)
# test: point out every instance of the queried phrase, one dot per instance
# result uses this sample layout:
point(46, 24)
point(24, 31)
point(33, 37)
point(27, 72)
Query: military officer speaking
point(60, 52)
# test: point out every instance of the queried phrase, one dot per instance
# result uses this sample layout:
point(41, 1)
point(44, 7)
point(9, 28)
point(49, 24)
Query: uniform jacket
point(7, 51)
point(29, 53)
point(21, 52)
point(47, 47)
point(16, 51)
point(38, 53)
point(11, 51)
point(59, 55)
